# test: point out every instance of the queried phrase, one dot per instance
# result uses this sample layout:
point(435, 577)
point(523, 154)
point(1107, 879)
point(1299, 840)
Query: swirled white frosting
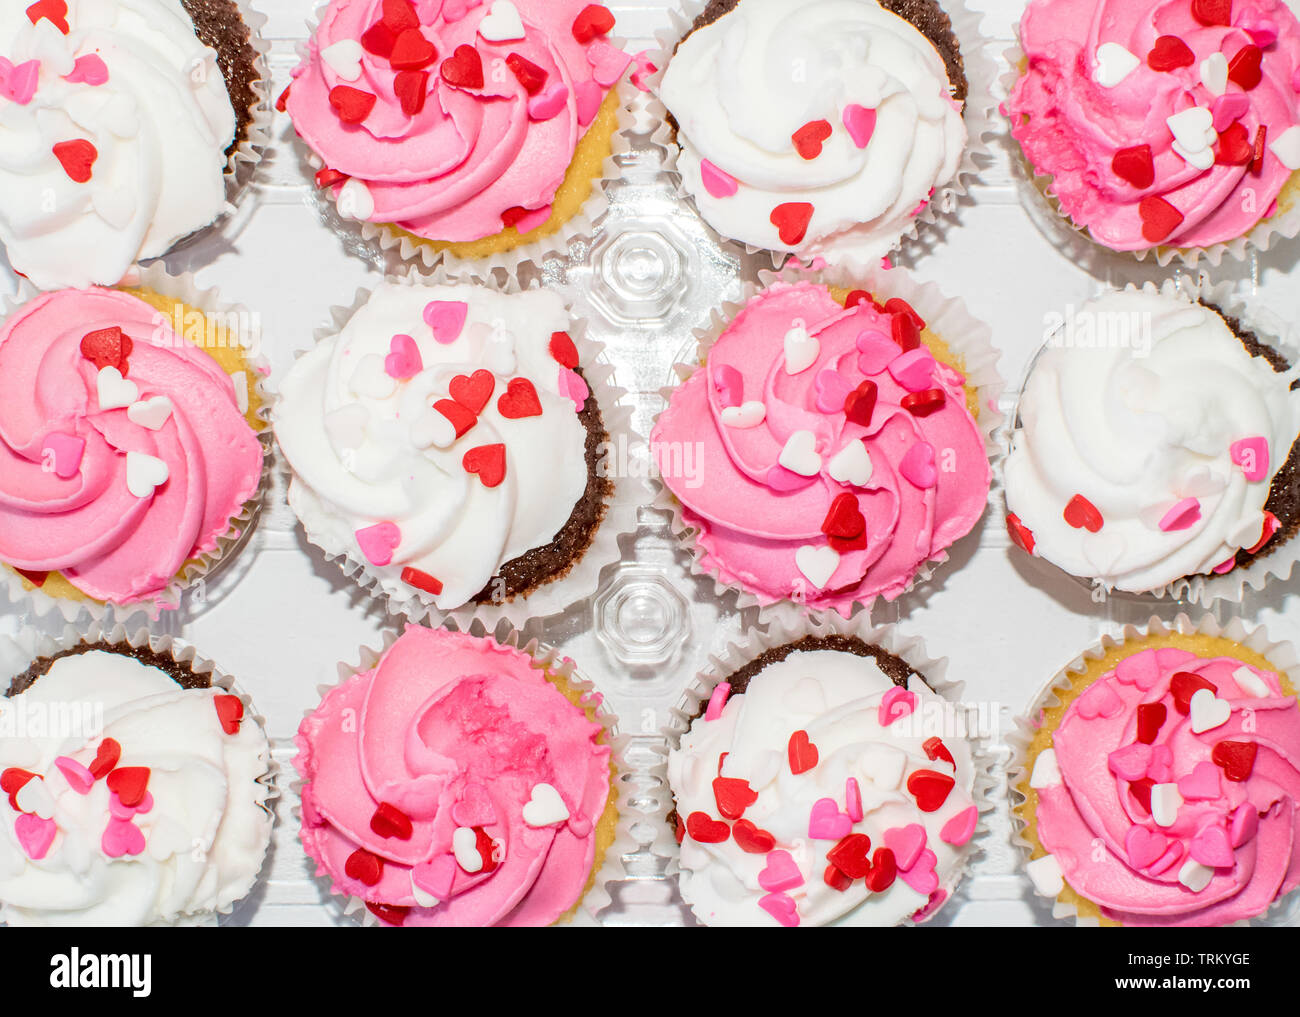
point(836, 698)
point(741, 87)
point(204, 836)
point(1136, 406)
point(160, 123)
point(368, 450)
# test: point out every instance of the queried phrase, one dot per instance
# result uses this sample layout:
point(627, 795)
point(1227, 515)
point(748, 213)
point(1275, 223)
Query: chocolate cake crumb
point(179, 673)
point(218, 25)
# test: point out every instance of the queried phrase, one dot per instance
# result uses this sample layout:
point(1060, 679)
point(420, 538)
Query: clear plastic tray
point(280, 617)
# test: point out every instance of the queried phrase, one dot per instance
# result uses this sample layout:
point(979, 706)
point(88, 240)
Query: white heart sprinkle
point(1195, 876)
point(370, 379)
point(800, 454)
point(1045, 874)
point(344, 58)
point(1286, 146)
point(817, 564)
point(851, 464)
point(1214, 73)
point(1201, 159)
point(1165, 801)
point(150, 413)
point(144, 473)
point(35, 797)
point(114, 391)
point(431, 428)
point(1193, 129)
point(749, 414)
point(355, 201)
point(1046, 772)
point(1114, 64)
point(503, 23)
point(464, 845)
point(422, 897)
point(1208, 711)
point(545, 807)
point(1250, 683)
point(801, 350)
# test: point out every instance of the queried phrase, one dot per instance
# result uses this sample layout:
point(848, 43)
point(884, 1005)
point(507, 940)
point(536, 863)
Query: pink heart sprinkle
point(1130, 762)
point(1161, 767)
point(1251, 454)
point(1262, 31)
point(446, 318)
point(119, 811)
point(1099, 701)
point(876, 351)
point(914, 370)
point(473, 807)
point(607, 63)
point(1144, 846)
point(1224, 567)
point(918, 466)
point(827, 822)
point(831, 391)
point(644, 69)
point(588, 96)
point(958, 830)
point(717, 700)
point(66, 451)
point(378, 542)
point(1172, 858)
point(1140, 669)
point(1245, 824)
point(907, 843)
point(729, 383)
point(931, 906)
point(549, 103)
point(921, 877)
point(779, 479)
point(573, 387)
point(716, 182)
point(1211, 847)
point(895, 704)
point(780, 872)
point(1228, 109)
point(89, 69)
point(18, 83)
point(860, 122)
point(122, 837)
point(435, 877)
point(404, 361)
point(781, 907)
point(80, 779)
point(1201, 784)
point(1184, 515)
point(853, 799)
point(35, 835)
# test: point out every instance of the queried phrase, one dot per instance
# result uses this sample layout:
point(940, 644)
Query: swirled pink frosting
point(108, 542)
point(1236, 818)
point(762, 526)
point(453, 732)
point(469, 155)
point(1076, 125)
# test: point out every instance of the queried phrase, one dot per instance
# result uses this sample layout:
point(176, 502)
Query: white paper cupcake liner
point(193, 575)
point(353, 909)
point(1281, 655)
point(1204, 590)
point(389, 240)
point(979, 115)
point(787, 626)
point(583, 578)
point(1076, 241)
point(947, 317)
point(17, 653)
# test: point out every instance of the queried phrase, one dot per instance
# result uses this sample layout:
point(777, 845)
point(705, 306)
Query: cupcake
point(123, 123)
point(457, 782)
point(467, 127)
point(1155, 448)
point(820, 128)
point(1157, 783)
point(828, 446)
point(445, 443)
point(821, 783)
point(135, 788)
point(132, 440)
point(1165, 127)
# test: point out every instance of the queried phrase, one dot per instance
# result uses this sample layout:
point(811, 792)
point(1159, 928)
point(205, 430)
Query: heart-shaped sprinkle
point(744, 416)
point(108, 347)
point(801, 350)
point(1228, 109)
point(502, 24)
point(129, 783)
point(831, 390)
point(1246, 68)
point(150, 413)
point(1144, 846)
point(914, 370)
point(718, 183)
point(113, 391)
point(550, 103)
point(860, 404)
point(851, 464)
point(1100, 700)
point(801, 753)
point(799, 454)
point(895, 704)
point(106, 758)
point(592, 20)
point(921, 876)
point(378, 542)
point(827, 822)
point(488, 462)
point(399, 15)
point(351, 105)
point(230, 712)
point(422, 581)
point(1159, 218)
point(1245, 820)
point(733, 796)
point(519, 400)
point(412, 91)
point(463, 69)
point(435, 877)
point(1287, 147)
point(1021, 535)
point(809, 138)
point(1169, 54)
point(588, 98)
point(1114, 64)
point(1130, 762)
point(717, 700)
point(934, 748)
point(960, 828)
point(1165, 802)
point(905, 332)
point(53, 11)
point(1208, 711)
point(750, 839)
point(1135, 165)
point(860, 122)
point(780, 873)
point(730, 384)
point(1201, 784)
point(918, 466)
point(1261, 139)
point(18, 83)
point(1183, 516)
point(1212, 847)
point(1250, 683)
point(343, 58)
point(12, 780)
point(412, 51)
point(704, 829)
point(544, 807)
point(35, 797)
point(446, 318)
point(1252, 455)
point(525, 220)
point(1235, 147)
point(363, 866)
point(607, 63)
point(460, 418)
point(1150, 719)
point(390, 822)
point(853, 799)
point(64, 452)
point(145, 474)
point(1184, 685)
point(817, 564)
point(121, 838)
point(1212, 12)
point(781, 907)
point(1083, 515)
point(473, 391)
point(530, 76)
point(35, 835)
point(930, 789)
point(464, 846)
point(851, 856)
point(844, 520)
point(791, 219)
point(379, 39)
point(562, 350)
point(474, 807)
point(77, 159)
point(925, 402)
point(79, 778)
point(1236, 759)
point(404, 360)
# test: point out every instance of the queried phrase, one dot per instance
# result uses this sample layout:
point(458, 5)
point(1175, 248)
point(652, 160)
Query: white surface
point(280, 619)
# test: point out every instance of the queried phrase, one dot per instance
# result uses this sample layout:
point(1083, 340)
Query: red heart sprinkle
point(1235, 148)
point(282, 103)
point(411, 89)
point(592, 21)
point(905, 332)
point(930, 789)
point(53, 11)
point(808, 139)
point(464, 68)
point(1150, 719)
point(37, 579)
point(1212, 12)
point(532, 77)
point(679, 830)
point(1236, 758)
point(852, 855)
point(106, 757)
point(844, 519)
point(733, 796)
point(934, 748)
point(791, 220)
point(835, 879)
point(857, 297)
point(412, 51)
point(1141, 792)
point(897, 305)
point(1083, 515)
point(1184, 685)
point(1159, 218)
point(379, 40)
point(1245, 69)
point(1169, 54)
point(519, 400)
point(391, 822)
point(364, 867)
point(922, 404)
point(860, 404)
point(230, 712)
point(351, 104)
point(399, 15)
point(487, 851)
point(77, 158)
point(474, 391)
point(563, 351)
point(750, 839)
point(488, 462)
point(108, 347)
point(722, 758)
point(1271, 526)
point(130, 783)
point(421, 581)
point(1021, 535)
point(1261, 138)
point(391, 914)
point(461, 419)
point(330, 177)
point(512, 217)
point(1136, 165)
point(884, 870)
point(13, 780)
point(801, 752)
point(703, 828)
